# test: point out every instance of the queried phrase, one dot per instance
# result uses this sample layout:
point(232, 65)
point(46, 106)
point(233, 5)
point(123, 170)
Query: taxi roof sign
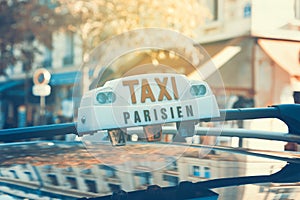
point(146, 99)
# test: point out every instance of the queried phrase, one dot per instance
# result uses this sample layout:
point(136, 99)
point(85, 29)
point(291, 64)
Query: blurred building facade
point(247, 52)
point(19, 107)
point(230, 19)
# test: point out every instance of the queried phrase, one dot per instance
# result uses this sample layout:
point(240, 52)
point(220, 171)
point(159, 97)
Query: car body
point(71, 170)
point(67, 170)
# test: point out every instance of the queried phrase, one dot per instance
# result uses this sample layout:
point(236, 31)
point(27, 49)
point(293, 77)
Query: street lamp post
point(28, 57)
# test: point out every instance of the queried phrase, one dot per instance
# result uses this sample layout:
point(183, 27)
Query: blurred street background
point(254, 44)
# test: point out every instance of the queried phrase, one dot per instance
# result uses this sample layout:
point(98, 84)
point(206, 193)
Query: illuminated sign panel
point(145, 99)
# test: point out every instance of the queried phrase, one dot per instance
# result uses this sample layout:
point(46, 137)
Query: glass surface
point(66, 170)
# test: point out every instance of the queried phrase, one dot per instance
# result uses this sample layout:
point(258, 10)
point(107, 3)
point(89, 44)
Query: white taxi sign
point(143, 100)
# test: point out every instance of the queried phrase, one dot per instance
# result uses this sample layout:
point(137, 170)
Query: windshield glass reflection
point(66, 170)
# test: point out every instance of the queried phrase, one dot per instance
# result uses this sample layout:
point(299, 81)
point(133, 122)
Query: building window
point(215, 10)
point(24, 166)
point(29, 175)
point(52, 179)
point(91, 186)
point(172, 180)
point(247, 10)
point(14, 173)
point(196, 171)
point(114, 187)
point(172, 165)
point(203, 172)
point(73, 182)
point(47, 168)
point(47, 62)
point(143, 178)
point(206, 172)
point(109, 171)
point(282, 195)
point(68, 60)
point(69, 169)
point(69, 53)
point(86, 171)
